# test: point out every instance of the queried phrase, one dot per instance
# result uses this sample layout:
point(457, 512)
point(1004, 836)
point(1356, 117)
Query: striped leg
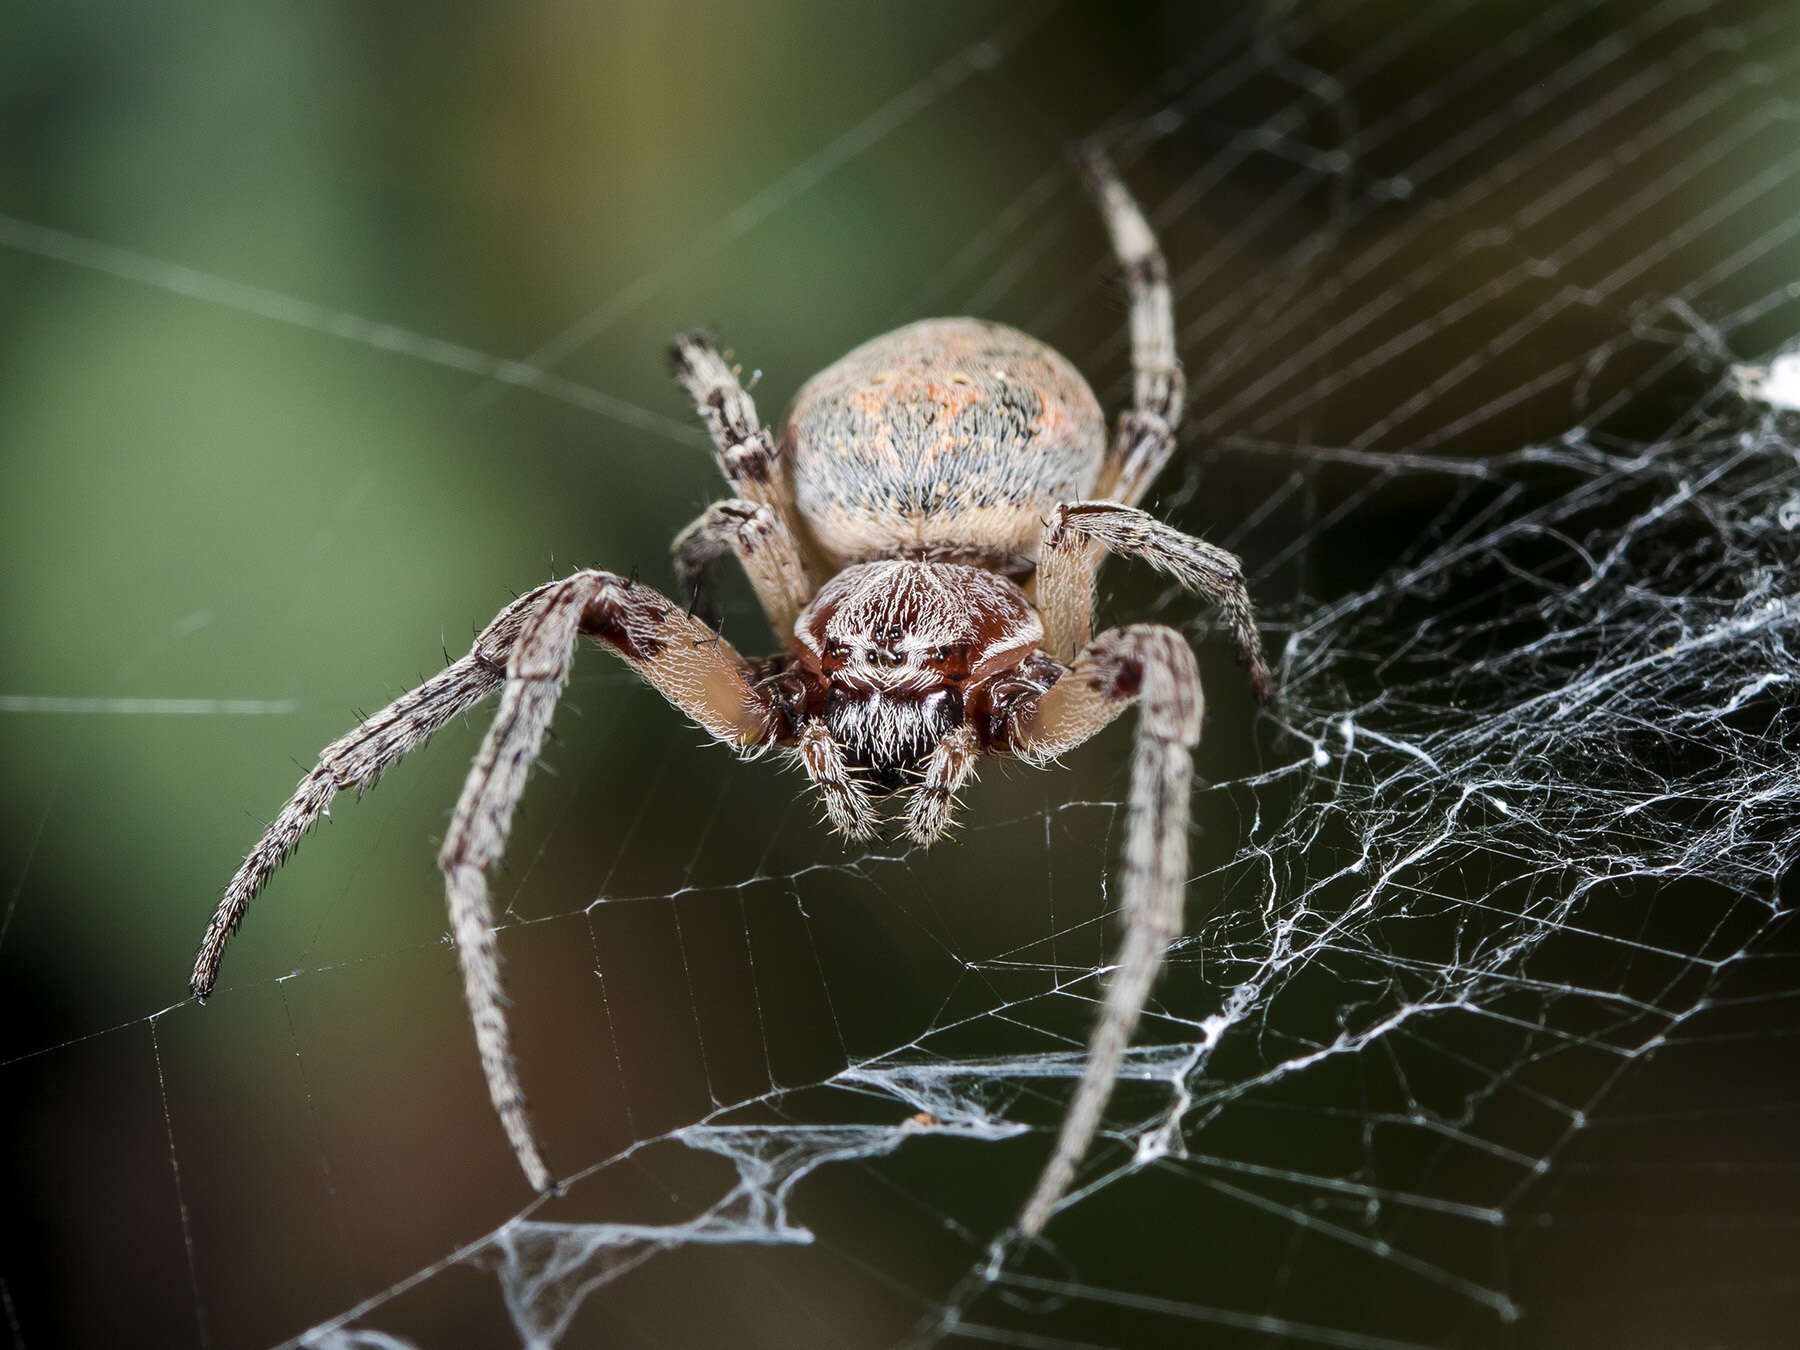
point(747, 454)
point(1154, 668)
point(1145, 435)
point(1080, 534)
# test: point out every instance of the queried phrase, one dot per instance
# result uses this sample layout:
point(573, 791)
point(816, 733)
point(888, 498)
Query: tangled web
point(1488, 364)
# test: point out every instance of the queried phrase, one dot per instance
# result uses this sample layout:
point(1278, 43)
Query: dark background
point(221, 482)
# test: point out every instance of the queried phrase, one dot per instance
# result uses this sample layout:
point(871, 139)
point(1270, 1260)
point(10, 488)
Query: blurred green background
point(259, 265)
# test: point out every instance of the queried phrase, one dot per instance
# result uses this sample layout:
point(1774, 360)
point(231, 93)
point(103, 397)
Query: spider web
point(1476, 1034)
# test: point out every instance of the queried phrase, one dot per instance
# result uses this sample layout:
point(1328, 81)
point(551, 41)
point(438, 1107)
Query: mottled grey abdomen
point(949, 439)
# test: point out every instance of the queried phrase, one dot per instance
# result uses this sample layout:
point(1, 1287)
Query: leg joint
point(1146, 271)
point(625, 616)
point(750, 459)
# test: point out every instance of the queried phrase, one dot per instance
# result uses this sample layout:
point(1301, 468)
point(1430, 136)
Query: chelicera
point(924, 536)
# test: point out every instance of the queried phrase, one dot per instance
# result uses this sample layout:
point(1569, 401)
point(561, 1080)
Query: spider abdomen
point(949, 439)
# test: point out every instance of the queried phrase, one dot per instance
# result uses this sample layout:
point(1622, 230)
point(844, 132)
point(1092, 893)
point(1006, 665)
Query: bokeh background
point(326, 329)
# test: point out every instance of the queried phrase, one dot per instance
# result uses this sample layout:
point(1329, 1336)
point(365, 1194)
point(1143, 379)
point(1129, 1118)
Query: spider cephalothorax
point(903, 654)
point(919, 486)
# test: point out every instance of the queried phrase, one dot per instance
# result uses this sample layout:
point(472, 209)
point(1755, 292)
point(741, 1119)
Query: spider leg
point(1145, 435)
point(357, 760)
point(762, 544)
point(688, 664)
point(535, 673)
point(1154, 667)
point(528, 648)
point(747, 454)
point(1080, 534)
point(846, 801)
point(933, 801)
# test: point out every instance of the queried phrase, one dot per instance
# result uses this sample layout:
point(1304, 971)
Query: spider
point(924, 537)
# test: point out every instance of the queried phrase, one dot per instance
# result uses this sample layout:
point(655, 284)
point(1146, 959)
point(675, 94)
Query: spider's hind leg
point(1144, 437)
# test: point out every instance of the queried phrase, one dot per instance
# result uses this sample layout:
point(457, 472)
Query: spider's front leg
point(527, 650)
point(1080, 534)
point(689, 665)
point(1153, 667)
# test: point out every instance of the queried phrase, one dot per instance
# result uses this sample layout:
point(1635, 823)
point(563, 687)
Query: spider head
point(902, 649)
